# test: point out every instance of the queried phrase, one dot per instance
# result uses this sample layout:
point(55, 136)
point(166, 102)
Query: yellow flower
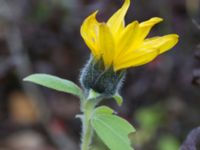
point(123, 46)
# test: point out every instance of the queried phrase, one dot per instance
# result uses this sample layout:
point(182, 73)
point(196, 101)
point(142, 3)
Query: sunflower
point(123, 46)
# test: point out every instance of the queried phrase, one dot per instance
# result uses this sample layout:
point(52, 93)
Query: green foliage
point(111, 129)
point(168, 143)
point(150, 117)
point(55, 83)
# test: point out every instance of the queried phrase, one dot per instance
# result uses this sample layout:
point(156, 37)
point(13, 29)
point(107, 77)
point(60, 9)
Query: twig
point(192, 140)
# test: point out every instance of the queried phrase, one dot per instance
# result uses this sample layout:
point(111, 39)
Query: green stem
point(87, 130)
point(87, 134)
point(87, 107)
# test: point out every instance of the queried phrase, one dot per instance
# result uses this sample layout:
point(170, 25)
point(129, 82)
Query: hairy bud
point(104, 81)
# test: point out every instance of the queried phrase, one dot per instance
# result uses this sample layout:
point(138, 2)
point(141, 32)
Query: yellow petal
point(139, 57)
point(126, 39)
point(163, 43)
point(89, 32)
point(137, 35)
point(146, 26)
point(151, 22)
point(106, 44)
point(116, 21)
point(143, 31)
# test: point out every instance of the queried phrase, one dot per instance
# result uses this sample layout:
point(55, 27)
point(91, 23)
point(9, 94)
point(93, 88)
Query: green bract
point(104, 81)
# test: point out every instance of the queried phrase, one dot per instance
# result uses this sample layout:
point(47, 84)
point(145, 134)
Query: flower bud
point(104, 81)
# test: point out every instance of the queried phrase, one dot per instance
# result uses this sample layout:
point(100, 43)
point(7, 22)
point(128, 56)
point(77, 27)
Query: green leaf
point(118, 99)
point(112, 129)
point(103, 110)
point(55, 83)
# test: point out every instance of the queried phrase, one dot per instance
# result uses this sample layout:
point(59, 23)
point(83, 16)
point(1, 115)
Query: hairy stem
point(86, 133)
point(87, 107)
point(87, 130)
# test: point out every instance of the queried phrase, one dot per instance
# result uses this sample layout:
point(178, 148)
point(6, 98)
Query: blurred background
point(161, 99)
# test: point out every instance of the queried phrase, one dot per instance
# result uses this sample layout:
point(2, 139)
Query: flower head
point(121, 46)
point(116, 47)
